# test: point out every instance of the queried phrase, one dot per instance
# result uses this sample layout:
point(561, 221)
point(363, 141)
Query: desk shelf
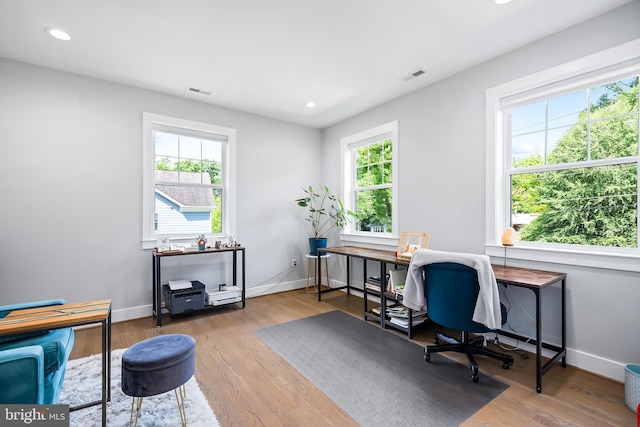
point(159, 311)
point(374, 289)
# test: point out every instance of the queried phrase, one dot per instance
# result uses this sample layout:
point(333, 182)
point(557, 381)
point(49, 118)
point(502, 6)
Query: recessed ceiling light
point(502, 1)
point(310, 104)
point(57, 33)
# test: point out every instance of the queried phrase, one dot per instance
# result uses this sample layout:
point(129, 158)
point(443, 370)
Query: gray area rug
point(82, 383)
point(379, 378)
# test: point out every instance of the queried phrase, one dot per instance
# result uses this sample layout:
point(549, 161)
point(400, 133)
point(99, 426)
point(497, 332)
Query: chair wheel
point(505, 365)
point(474, 374)
point(427, 357)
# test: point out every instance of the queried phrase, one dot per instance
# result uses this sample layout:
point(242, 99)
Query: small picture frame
point(411, 242)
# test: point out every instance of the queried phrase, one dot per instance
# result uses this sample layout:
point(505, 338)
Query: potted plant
point(323, 218)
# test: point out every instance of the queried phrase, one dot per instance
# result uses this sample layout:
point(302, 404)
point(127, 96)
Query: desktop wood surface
point(248, 384)
point(54, 316)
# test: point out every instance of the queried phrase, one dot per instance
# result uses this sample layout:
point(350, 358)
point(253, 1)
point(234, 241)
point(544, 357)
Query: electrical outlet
point(294, 262)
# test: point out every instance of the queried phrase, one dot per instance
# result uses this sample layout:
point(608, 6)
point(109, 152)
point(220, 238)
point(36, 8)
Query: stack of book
point(399, 315)
point(373, 284)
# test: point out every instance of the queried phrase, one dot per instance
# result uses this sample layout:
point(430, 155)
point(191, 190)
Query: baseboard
point(138, 312)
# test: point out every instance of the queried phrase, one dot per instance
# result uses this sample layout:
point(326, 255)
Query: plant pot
point(314, 244)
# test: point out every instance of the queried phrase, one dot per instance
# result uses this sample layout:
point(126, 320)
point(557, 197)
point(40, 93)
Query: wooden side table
point(313, 259)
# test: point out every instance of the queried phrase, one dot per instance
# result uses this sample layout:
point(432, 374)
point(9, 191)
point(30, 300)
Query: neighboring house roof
point(185, 196)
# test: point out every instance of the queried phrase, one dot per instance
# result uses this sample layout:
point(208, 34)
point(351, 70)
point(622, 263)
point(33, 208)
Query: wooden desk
point(535, 280)
point(64, 316)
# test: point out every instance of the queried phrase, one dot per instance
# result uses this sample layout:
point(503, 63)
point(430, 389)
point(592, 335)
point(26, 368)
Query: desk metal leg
point(383, 300)
point(157, 297)
point(349, 275)
point(538, 342)
point(105, 373)
point(564, 324)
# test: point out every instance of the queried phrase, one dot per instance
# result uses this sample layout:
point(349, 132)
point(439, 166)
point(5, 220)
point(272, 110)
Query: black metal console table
point(157, 271)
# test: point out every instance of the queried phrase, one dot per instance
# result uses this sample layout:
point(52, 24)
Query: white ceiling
point(269, 57)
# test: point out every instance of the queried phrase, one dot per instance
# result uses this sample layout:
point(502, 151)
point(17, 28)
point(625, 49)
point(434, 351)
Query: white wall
point(442, 188)
point(71, 188)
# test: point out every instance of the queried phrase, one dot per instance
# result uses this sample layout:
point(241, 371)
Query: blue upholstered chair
point(32, 366)
point(451, 291)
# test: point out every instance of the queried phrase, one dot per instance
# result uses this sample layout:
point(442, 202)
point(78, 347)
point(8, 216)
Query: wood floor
point(247, 384)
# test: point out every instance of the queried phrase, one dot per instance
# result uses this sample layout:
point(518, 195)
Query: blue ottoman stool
point(158, 365)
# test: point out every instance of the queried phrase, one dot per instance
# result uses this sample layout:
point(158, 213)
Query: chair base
point(469, 347)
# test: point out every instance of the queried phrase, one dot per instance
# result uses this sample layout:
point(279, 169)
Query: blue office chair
point(451, 291)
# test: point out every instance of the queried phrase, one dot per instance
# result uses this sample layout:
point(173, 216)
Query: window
point(189, 176)
point(562, 164)
point(369, 161)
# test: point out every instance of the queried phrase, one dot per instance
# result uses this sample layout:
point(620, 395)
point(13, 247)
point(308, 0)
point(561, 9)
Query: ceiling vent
point(413, 75)
point(196, 90)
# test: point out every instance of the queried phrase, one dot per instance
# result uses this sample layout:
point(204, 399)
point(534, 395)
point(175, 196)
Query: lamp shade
point(509, 236)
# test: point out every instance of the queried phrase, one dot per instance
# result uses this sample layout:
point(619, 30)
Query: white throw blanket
point(487, 310)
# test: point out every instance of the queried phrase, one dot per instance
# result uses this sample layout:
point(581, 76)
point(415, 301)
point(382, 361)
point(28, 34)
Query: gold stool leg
point(181, 393)
point(137, 409)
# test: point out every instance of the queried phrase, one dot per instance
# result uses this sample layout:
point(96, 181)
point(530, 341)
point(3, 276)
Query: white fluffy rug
point(82, 384)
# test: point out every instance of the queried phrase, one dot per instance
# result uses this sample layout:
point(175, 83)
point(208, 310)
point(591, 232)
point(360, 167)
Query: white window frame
point(347, 178)
point(149, 120)
point(498, 156)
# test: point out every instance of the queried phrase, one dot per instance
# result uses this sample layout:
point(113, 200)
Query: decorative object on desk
point(322, 218)
point(411, 242)
point(82, 382)
point(164, 244)
point(509, 236)
point(222, 287)
point(218, 244)
point(202, 242)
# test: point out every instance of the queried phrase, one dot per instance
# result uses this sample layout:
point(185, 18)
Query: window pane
point(528, 118)
point(190, 148)
point(375, 153)
point(616, 137)
point(362, 156)
point(362, 177)
point(567, 145)
point(527, 145)
point(184, 209)
point(388, 173)
point(216, 213)
point(373, 208)
point(166, 144)
point(375, 174)
point(388, 150)
point(588, 206)
point(567, 110)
